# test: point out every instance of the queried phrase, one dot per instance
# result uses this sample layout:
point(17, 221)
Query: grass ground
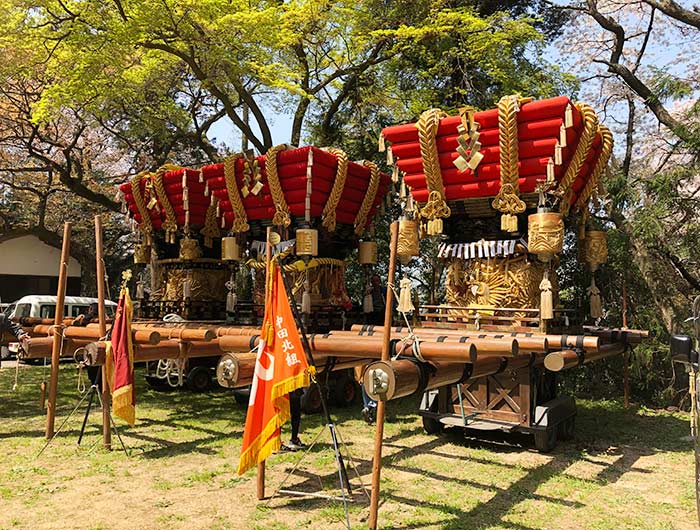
point(626, 469)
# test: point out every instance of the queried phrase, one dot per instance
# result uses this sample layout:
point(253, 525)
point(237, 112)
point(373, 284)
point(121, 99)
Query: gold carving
point(206, 284)
point(142, 253)
point(230, 249)
point(512, 282)
point(189, 249)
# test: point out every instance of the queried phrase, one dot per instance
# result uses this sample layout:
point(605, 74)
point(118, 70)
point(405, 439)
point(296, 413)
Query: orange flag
point(120, 361)
point(280, 368)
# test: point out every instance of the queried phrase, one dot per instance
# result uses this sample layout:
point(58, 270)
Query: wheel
point(199, 379)
point(432, 426)
point(242, 398)
point(567, 429)
point(311, 400)
point(546, 440)
point(344, 391)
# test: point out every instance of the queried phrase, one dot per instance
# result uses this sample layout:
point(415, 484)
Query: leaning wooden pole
point(379, 432)
point(58, 337)
point(268, 259)
point(102, 321)
point(625, 356)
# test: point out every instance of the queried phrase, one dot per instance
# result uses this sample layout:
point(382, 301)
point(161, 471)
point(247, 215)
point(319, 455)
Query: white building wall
point(29, 256)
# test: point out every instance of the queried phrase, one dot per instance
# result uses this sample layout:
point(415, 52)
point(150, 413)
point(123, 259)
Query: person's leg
point(295, 411)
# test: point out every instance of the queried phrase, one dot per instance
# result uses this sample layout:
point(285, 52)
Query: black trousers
point(295, 411)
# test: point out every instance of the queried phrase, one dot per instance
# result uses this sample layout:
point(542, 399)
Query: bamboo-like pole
point(379, 432)
point(57, 338)
point(565, 359)
point(101, 319)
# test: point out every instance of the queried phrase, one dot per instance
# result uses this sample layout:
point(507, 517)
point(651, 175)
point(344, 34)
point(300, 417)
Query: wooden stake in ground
point(379, 432)
point(100, 268)
point(268, 259)
point(58, 337)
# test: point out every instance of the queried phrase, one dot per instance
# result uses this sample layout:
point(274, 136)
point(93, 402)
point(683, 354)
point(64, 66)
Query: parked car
point(44, 306)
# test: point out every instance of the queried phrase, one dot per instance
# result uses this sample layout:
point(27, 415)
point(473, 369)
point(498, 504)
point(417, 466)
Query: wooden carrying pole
point(379, 432)
point(101, 318)
point(58, 338)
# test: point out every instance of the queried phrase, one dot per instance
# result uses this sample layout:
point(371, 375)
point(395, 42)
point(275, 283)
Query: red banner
point(280, 368)
point(120, 362)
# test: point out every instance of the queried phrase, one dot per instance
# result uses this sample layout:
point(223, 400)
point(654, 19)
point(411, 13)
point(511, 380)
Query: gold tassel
point(389, 157)
point(382, 143)
point(139, 291)
point(231, 301)
point(367, 302)
point(306, 297)
point(546, 302)
point(395, 175)
point(596, 304)
point(405, 301)
point(568, 117)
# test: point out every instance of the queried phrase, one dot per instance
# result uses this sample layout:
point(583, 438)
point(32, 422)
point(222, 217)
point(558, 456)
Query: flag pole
point(268, 259)
point(58, 335)
point(100, 272)
point(345, 481)
point(379, 432)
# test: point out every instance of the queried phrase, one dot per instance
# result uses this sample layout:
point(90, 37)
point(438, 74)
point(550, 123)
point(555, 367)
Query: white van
point(44, 306)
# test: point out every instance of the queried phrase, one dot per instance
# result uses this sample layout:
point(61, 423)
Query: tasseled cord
point(546, 302)
point(231, 301)
point(306, 297)
point(405, 299)
point(596, 303)
point(139, 290)
point(367, 303)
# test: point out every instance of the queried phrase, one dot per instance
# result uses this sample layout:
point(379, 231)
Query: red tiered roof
point(541, 131)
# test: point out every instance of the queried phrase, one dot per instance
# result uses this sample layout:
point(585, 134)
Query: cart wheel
point(567, 429)
point(432, 426)
point(546, 440)
point(241, 398)
point(199, 379)
point(344, 391)
point(311, 400)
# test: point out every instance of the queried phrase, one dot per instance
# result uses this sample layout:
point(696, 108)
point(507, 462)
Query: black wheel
point(199, 379)
point(344, 391)
point(546, 440)
point(242, 398)
point(432, 425)
point(567, 429)
point(311, 400)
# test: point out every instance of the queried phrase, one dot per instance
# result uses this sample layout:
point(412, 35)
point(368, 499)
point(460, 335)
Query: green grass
point(626, 469)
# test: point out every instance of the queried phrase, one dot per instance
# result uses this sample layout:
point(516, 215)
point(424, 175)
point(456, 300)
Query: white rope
point(410, 337)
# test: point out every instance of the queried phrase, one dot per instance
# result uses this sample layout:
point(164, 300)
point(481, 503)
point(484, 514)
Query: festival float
point(498, 187)
point(495, 189)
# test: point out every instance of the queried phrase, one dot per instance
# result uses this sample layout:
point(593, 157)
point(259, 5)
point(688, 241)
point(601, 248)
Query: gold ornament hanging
point(230, 249)
point(407, 244)
point(307, 242)
point(368, 253)
point(595, 248)
point(545, 234)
